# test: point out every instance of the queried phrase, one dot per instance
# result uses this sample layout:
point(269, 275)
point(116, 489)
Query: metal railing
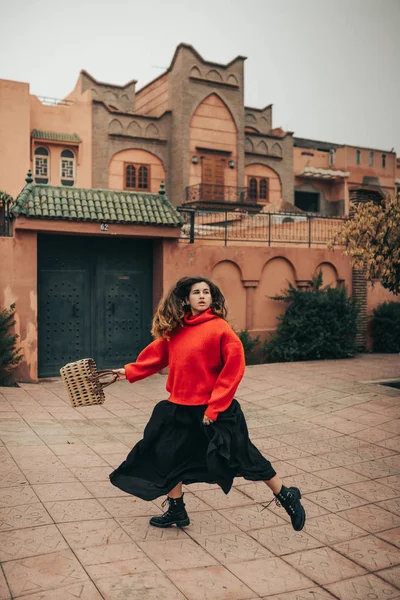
point(266, 228)
point(5, 217)
point(205, 192)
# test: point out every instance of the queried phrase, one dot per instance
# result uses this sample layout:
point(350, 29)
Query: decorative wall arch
point(152, 131)
point(125, 98)
point(249, 118)
point(265, 122)
point(134, 129)
point(228, 276)
point(214, 75)
point(330, 275)
point(248, 145)
point(136, 156)
point(275, 275)
point(232, 79)
point(259, 170)
point(195, 72)
point(213, 127)
point(115, 126)
point(109, 96)
point(276, 149)
point(220, 96)
point(262, 147)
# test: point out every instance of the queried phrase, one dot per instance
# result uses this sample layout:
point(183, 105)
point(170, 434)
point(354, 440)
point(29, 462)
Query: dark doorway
point(307, 201)
point(94, 299)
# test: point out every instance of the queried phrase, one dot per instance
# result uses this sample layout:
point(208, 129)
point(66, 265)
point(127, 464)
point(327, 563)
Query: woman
point(199, 434)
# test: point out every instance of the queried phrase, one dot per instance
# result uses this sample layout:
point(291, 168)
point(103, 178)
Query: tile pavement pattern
point(66, 533)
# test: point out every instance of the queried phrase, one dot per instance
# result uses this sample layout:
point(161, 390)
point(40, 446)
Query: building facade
point(94, 241)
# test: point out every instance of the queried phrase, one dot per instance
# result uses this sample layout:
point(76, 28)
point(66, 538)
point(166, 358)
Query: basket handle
point(104, 373)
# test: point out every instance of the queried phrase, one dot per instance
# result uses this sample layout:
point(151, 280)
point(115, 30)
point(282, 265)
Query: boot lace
point(270, 502)
point(166, 502)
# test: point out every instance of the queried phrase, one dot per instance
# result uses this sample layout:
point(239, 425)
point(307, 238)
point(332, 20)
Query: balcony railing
point(212, 193)
point(271, 229)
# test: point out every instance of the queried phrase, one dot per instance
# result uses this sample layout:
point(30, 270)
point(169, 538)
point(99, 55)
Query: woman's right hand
point(120, 374)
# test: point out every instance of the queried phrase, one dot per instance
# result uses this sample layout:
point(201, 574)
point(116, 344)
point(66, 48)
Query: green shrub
point(386, 327)
point(10, 355)
point(249, 345)
point(320, 323)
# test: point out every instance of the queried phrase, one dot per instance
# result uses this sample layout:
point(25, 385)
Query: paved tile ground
point(66, 533)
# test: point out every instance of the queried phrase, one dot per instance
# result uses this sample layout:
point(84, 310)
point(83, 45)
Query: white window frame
point(73, 159)
point(331, 157)
point(371, 159)
point(45, 158)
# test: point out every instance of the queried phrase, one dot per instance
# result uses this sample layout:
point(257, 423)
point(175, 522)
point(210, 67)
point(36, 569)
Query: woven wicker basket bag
point(83, 382)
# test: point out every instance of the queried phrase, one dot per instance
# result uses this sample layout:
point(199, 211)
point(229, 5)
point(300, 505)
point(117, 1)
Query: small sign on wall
point(104, 227)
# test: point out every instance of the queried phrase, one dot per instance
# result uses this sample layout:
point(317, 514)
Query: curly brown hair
point(172, 308)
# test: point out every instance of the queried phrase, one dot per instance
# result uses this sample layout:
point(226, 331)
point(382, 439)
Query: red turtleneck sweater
point(206, 363)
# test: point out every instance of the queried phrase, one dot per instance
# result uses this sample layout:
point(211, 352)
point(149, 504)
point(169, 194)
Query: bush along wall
point(319, 323)
point(385, 327)
point(250, 346)
point(10, 355)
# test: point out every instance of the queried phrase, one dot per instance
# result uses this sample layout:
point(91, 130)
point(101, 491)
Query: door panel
point(213, 178)
point(64, 333)
point(122, 319)
point(95, 299)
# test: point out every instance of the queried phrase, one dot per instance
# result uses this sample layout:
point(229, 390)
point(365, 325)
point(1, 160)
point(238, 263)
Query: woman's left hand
point(207, 420)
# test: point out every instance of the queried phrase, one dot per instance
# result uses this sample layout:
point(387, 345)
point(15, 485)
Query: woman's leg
point(275, 484)
point(176, 513)
point(289, 498)
point(176, 492)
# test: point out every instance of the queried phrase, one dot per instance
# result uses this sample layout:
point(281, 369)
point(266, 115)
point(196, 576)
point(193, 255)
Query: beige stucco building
point(93, 241)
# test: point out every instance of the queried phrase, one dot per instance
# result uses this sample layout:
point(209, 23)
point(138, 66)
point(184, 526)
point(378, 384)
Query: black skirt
point(177, 446)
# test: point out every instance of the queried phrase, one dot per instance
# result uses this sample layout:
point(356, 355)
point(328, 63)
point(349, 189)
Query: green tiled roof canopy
point(80, 204)
point(52, 136)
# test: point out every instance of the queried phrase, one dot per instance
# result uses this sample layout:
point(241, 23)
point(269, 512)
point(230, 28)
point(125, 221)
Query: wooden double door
point(213, 177)
point(94, 300)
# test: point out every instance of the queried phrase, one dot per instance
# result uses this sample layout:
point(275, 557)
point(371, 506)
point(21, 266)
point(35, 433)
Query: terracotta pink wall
point(153, 99)
point(377, 295)
point(250, 275)
point(116, 169)
point(18, 284)
point(213, 127)
point(302, 158)
point(74, 118)
point(345, 158)
point(14, 135)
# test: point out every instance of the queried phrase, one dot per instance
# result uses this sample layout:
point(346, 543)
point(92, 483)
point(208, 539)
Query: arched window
point(331, 157)
point(358, 157)
point(371, 159)
point(143, 179)
point(258, 188)
point(42, 165)
point(130, 177)
point(67, 167)
point(253, 188)
point(137, 177)
point(263, 189)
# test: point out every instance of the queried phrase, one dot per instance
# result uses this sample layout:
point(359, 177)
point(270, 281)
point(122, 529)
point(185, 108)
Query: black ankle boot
point(175, 515)
point(289, 498)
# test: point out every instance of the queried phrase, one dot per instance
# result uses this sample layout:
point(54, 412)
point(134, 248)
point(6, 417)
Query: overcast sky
point(330, 67)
